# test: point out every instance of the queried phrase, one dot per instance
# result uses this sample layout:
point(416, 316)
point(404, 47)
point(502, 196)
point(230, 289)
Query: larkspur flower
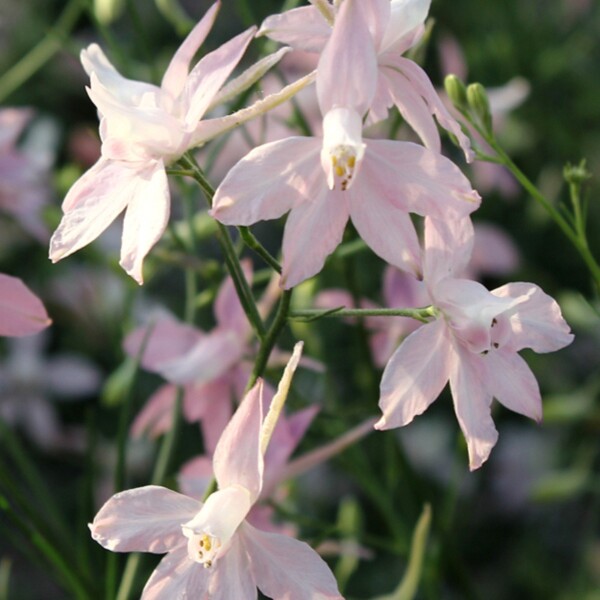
point(144, 128)
point(396, 26)
point(324, 181)
point(211, 550)
point(473, 344)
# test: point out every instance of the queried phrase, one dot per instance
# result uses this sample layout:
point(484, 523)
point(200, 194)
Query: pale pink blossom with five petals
point(325, 181)
point(144, 128)
point(396, 26)
point(473, 344)
point(211, 549)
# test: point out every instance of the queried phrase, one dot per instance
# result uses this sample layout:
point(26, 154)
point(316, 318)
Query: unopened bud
point(457, 92)
point(480, 105)
point(107, 11)
point(576, 174)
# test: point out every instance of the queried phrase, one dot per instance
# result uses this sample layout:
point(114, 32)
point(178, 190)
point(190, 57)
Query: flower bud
point(480, 105)
point(457, 92)
point(576, 174)
point(107, 11)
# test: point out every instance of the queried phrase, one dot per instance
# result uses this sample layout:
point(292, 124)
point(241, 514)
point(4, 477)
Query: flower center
point(203, 548)
point(343, 148)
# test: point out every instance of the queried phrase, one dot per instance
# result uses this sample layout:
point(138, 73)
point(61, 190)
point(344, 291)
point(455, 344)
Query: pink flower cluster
point(384, 187)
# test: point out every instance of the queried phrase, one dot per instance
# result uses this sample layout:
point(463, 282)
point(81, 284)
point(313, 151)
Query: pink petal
point(387, 229)
point(156, 416)
point(177, 578)
point(217, 396)
point(12, 123)
point(472, 406)
point(415, 375)
point(21, 311)
point(212, 356)
point(448, 248)
point(210, 74)
point(418, 180)
point(145, 519)
point(287, 569)
point(511, 382)
point(347, 70)
point(302, 28)
point(176, 74)
point(232, 578)
point(413, 109)
point(286, 437)
point(537, 323)
point(418, 79)
point(470, 310)
point(406, 16)
point(268, 182)
point(164, 340)
point(376, 15)
point(145, 220)
point(313, 230)
point(494, 252)
point(92, 204)
point(237, 459)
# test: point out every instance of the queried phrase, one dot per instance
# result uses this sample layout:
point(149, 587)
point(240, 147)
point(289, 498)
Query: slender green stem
point(231, 259)
point(310, 314)
point(39, 55)
point(575, 235)
point(270, 338)
point(257, 247)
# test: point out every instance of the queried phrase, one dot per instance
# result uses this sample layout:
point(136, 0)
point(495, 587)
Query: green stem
point(576, 236)
point(270, 338)
point(310, 314)
point(257, 247)
point(231, 259)
point(39, 55)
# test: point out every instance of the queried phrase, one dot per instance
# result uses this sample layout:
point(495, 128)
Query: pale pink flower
point(473, 344)
point(395, 26)
point(144, 128)
point(212, 551)
point(212, 367)
point(324, 181)
point(21, 311)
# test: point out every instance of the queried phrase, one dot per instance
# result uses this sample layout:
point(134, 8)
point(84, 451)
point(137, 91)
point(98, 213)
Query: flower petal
point(536, 323)
point(448, 248)
point(472, 406)
point(312, 232)
point(237, 459)
point(228, 310)
point(145, 519)
point(387, 229)
point(287, 569)
point(211, 72)
point(347, 70)
point(232, 578)
point(146, 218)
point(177, 578)
point(409, 73)
point(268, 181)
point(511, 382)
point(156, 416)
point(163, 339)
point(302, 28)
point(415, 375)
point(92, 204)
point(405, 17)
point(175, 76)
point(21, 311)
point(420, 181)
